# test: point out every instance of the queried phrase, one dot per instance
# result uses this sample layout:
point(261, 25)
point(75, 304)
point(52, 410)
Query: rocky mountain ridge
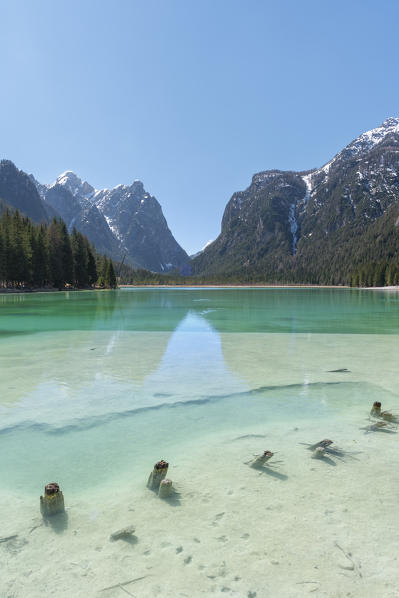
point(310, 226)
point(19, 191)
point(126, 222)
point(289, 225)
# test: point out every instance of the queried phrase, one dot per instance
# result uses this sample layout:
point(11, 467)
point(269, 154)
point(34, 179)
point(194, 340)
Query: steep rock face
point(18, 191)
point(122, 222)
point(137, 221)
point(289, 224)
point(256, 222)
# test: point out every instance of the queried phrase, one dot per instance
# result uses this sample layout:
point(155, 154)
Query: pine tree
point(55, 244)
point(21, 248)
point(103, 272)
point(67, 257)
point(110, 276)
point(40, 257)
point(80, 259)
point(6, 226)
point(91, 263)
point(43, 254)
point(2, 256)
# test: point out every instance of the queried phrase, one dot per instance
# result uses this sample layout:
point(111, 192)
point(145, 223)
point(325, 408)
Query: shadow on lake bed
point(58, 522)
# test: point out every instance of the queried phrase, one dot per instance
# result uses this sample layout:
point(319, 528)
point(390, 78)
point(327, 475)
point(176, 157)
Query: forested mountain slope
point(315, 226)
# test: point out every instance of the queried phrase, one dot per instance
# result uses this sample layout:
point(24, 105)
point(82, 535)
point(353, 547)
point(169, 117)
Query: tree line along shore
point(44, 256)
point(368, 275)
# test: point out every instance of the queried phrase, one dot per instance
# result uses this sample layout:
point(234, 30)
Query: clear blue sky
point(191, 96)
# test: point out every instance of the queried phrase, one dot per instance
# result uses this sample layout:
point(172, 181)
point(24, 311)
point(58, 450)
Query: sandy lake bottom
point(94, 409)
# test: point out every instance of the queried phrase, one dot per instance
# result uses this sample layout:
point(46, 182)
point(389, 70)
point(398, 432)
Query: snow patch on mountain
point(192, 256)
point(365, 142)
point(307, 179)
point(206, 245)
point(78, 188)
point(370, 138)
point(292, 219)
point(293, 226)
point(125, 220)
point(113, 228)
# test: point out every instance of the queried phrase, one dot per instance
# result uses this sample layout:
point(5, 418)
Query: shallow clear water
point(97, 386)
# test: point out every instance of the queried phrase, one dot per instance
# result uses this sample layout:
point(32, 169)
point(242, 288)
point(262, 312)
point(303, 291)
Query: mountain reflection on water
point(179, 343)
point(227, 310)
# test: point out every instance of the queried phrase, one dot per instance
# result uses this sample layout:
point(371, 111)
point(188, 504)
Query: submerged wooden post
point(261, 459)
point(123, 534)
point(319, 452)
point(322, 444)
point(376, 409)
point(165, 488)
point(387, 416)
point(157, 475)
point(53, 500)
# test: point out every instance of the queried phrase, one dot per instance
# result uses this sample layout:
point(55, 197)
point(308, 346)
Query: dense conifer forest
point(46, 256)
point(371, 273)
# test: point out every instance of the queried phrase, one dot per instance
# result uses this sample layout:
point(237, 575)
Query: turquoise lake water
point(97, 386)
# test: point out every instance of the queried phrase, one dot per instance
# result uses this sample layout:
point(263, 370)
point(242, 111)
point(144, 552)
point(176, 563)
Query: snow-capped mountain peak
point(391, 121)
point(370, 138)
point(123, 221)
point(365, 142)
point(74, 184)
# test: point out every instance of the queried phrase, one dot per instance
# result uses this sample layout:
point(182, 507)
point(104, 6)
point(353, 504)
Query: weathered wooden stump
point(53, 500)
point(323, 444)
point(157, 475)
point(376, 409)
point(261, 459)
point(319, 452)
point(121, 534)
point(387, 416)
point(165, 488)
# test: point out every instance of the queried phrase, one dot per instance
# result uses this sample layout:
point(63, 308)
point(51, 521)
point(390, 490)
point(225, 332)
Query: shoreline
point(233, 286)
point(390, 288)
point(44, 290)
point(200, 286)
